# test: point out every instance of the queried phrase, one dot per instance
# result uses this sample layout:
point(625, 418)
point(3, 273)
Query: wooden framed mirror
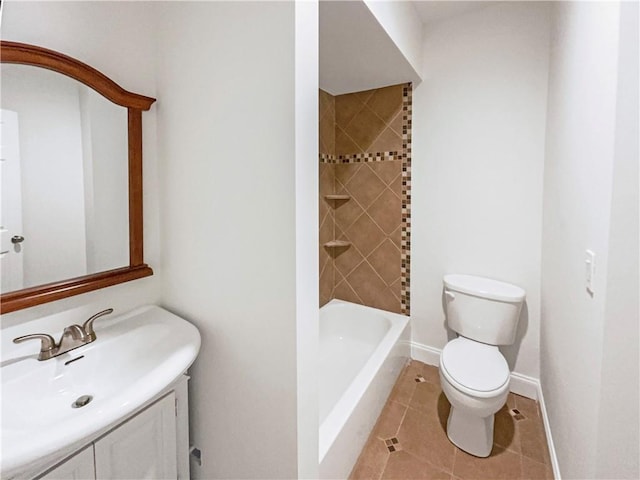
point(35, 292)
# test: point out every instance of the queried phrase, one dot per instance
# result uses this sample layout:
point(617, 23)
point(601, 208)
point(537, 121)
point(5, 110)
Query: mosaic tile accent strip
point(361, 157)
point(327, 158)
point(405, 238)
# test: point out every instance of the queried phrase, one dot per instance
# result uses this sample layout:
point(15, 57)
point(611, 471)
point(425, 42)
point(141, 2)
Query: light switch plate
point(590, 264)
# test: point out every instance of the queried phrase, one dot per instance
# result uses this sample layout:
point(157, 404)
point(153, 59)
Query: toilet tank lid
point(484, 287)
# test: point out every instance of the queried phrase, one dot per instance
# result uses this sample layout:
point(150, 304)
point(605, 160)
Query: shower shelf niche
point(337, 244)
point(337, 197)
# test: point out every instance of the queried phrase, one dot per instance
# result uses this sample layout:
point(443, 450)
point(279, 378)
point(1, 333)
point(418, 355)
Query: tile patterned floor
point(409, 440)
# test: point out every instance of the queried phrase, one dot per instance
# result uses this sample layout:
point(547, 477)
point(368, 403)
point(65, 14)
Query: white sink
point(134, 358)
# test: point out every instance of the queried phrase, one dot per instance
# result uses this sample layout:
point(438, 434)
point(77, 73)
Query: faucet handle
point(47, 343)
point(88, 325)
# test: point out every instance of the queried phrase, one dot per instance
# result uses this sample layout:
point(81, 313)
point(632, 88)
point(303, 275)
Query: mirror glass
point(64, 174)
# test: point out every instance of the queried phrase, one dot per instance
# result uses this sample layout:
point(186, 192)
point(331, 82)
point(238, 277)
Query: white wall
point(478, 155)
point(618, 428)
point(307, 241)
point(357, 53)
point(589, 343)
point(401, 22)
point(116, 38)
point(227, 131)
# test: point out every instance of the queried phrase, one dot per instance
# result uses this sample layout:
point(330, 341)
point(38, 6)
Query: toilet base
point(470, 433)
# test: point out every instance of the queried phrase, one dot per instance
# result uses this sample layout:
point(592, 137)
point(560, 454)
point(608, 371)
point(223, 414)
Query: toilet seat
point(474, 368)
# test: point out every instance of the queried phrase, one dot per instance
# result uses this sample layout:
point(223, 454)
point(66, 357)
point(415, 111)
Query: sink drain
point(81, 401)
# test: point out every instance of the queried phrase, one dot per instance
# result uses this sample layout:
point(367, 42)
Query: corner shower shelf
point(337, 197)
point(337, 244)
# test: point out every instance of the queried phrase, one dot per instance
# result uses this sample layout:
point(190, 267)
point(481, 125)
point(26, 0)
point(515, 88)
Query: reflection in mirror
point(64, 179)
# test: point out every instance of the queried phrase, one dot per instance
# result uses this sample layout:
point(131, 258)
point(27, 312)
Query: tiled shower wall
point(365, 153)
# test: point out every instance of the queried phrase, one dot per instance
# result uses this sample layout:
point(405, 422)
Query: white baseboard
point(520, 384)
point(425, 354)
point(524, 385)
point(547, 431)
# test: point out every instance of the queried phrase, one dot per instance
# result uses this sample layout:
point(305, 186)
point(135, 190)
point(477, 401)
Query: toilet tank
point(483, 309)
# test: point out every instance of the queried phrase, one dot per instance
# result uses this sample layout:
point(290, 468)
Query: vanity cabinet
point(78, 467)
point(143, 447)
point(152, 444)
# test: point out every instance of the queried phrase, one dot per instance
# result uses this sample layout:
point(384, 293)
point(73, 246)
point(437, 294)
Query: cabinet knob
point(17, 239)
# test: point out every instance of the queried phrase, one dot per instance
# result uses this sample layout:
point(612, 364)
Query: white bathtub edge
point(338, 458)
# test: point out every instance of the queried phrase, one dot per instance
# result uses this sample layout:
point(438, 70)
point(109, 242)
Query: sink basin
point(134, 358)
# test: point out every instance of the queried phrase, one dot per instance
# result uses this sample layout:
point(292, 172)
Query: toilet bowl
point(475, 379)
point(473, 373)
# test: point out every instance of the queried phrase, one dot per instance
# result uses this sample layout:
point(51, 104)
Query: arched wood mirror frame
point(20, 53)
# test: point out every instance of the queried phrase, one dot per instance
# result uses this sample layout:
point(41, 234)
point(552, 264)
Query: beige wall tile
point(387, 141)
point(344, 172)
point(347, 107)
point(326, 178)
point(345, 144)
point(385, 300)
point(326, 284)
point(367, 284)
point(396, 185)
point(343, 291)
point(365, 234)
point(396, 237)
point(347, 213)
point(395, 289)
point(365, 187)
point(327, 230)
point(387, 171)
point(386, 211)
point(364, 128)
point(364, 95)
point(348, 260)
point(386, 102)
point(385, 260)
point(396, 123)
point(327, 121)
point(362, 123)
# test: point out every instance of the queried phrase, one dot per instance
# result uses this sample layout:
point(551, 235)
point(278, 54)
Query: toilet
point(473, 373)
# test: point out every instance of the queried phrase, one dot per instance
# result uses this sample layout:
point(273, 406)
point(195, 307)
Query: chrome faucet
point(73, 336)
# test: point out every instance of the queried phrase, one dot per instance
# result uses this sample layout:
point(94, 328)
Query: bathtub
point(362, 352)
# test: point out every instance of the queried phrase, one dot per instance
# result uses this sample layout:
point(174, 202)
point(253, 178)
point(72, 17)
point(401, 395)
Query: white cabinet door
point(143, 447)
point(78, 467)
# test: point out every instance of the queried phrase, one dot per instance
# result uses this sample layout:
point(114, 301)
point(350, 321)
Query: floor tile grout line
point(453, 463)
